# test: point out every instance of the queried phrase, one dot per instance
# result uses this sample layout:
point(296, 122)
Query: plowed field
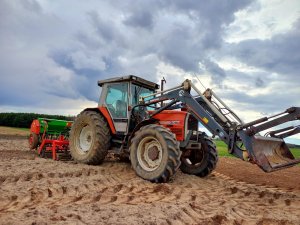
point(41, 191)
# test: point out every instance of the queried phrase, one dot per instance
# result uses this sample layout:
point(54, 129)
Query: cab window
point(117, 99)
point(137, 92)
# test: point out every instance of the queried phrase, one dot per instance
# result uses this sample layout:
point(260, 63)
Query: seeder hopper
point(50, 137)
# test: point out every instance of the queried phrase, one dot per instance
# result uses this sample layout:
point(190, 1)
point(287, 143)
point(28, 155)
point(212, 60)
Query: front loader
point(159, 130)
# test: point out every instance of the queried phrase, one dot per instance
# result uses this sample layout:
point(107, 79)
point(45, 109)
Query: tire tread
point(174, 152)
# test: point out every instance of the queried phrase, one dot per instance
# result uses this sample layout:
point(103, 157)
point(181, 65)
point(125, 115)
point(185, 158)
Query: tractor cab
point(120, 95)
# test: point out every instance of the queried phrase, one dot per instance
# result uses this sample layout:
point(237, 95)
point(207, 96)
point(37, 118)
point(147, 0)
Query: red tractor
point(159, 130)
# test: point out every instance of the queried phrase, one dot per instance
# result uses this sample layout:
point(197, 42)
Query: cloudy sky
point(53, 52)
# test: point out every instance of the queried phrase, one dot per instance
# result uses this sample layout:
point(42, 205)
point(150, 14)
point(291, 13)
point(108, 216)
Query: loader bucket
point(271, 154)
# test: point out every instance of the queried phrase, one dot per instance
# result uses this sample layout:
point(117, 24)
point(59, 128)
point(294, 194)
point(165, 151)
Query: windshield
point(137, 92)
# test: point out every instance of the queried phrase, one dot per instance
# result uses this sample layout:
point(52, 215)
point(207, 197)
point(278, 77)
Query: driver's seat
point(121, 109)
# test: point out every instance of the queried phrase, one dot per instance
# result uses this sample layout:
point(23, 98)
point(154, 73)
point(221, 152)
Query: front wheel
point(200, 161)
point(89, 138)
point(155, 153)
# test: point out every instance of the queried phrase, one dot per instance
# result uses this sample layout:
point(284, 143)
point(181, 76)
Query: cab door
point(116, 101)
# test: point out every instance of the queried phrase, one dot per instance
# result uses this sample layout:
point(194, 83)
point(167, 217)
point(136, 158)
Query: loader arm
point(269, 153)
point(285, 132)
point(205, 112)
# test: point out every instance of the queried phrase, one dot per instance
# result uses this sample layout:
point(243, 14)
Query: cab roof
point(135, 79)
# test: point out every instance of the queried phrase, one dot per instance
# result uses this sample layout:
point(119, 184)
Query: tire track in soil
point(66, 194)
point(241, 201)
point(104, 190)
point(134, 195)
point(113, 191)
point(115, 184)
point(110, 193)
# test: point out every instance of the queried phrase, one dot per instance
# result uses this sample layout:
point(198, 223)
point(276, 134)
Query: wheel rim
point(149, 153)
point(85, 139)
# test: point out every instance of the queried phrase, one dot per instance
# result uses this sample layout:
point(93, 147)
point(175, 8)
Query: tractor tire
point(89, 138)
point(155, 153)
point(33, 140)
point(200, 162)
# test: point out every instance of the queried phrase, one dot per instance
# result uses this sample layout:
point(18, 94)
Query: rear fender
point(104, 112)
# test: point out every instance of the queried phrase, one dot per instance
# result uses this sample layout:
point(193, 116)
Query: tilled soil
point(42, 191)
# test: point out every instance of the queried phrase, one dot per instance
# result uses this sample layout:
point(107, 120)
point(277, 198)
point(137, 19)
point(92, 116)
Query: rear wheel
point(89, 138)
point(33, 140)
point(200, 161)
point(154, 153)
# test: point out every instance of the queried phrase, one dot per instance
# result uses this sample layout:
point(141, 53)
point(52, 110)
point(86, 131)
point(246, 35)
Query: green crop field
point(296, 152)
point(222, 149)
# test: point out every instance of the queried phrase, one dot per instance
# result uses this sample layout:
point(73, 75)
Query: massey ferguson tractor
point(159, 130)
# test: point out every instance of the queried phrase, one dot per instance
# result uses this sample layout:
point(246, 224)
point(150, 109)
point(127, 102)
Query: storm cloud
point(280, 54)
point(53, 53)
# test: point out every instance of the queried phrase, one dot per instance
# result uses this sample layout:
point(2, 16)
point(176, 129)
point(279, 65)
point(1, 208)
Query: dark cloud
point(237, 80)
point(277, 59)
point(47, 52)
point(174, 48)
point(259, 82)
point(266, 103)
point(143, 19)
point(27, 74)
point(280, 54)
point(32, 5)
point(104, 28)
point(192, 41)
point(209, 16)
point(250, 79)
point(217, 73)
point(182, 34)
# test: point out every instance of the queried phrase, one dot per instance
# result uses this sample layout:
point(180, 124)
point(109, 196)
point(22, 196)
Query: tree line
point(24, 120)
